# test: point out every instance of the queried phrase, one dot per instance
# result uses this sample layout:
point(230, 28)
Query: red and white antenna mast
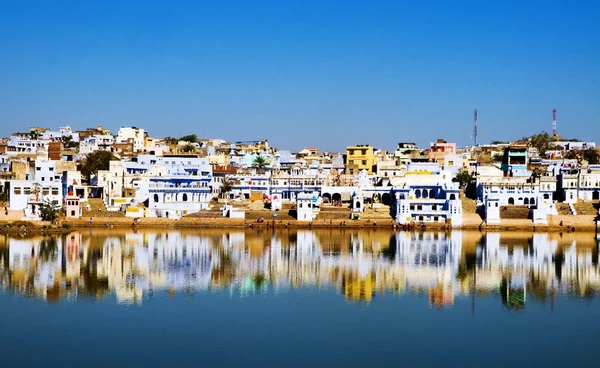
point(474, 128)
point(554, 123)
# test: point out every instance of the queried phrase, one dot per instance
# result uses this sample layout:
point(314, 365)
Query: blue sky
point(303, 73)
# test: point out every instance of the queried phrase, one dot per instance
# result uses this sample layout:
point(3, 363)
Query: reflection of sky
point(361, 265)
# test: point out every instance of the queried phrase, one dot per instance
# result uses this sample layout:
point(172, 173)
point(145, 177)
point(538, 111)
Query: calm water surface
point(299, 298)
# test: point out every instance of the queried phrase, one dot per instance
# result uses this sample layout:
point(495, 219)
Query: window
point(364, 162)
point(45, 191)
point(38, 169)
point(54, 191)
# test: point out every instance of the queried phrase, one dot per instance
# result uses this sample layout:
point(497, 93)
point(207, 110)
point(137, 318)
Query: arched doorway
point(532, 201)
point(185, 197)
point(596, 195)
point(156, 198)
point(432, 193)
point(326, 198)
point(452, 196)
point(425, 193)
point(511, 200)
point(526, 201)
point(336, 197)
point(376, 198)
point(418, 193)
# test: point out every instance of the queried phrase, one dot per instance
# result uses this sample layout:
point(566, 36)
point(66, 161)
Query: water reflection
point(519, 268)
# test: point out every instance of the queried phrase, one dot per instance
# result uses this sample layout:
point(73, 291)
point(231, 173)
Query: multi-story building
point(18, 145)
point(427, 197)
point(440, 149)
point(171, 185)
point(518, 190)
point(96, 143)
point(359, 158)
point(514, 161)
point(138, 135)
point(409, 152)
point(582, 184)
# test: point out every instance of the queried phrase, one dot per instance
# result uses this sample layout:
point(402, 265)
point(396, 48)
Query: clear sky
point(303, 73)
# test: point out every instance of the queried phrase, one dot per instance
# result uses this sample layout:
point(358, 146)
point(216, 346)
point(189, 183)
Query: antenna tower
point(475, 128)
point(554, 123)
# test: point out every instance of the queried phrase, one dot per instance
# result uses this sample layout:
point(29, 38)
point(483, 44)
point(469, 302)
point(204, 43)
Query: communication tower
point(475, 128)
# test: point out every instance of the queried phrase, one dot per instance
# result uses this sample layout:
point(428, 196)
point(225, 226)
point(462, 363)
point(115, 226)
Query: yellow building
point(361, 157)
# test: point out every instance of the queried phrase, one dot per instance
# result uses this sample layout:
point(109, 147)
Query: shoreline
point(470, 222)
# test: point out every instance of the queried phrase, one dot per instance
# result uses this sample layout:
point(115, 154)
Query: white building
point(426, 197)
point(136, 134)
point(17, 145)
point(46, 184)
point(170, 186)
point(583, 184)
point(305, 207)
point(516, 190)
point(96, 143)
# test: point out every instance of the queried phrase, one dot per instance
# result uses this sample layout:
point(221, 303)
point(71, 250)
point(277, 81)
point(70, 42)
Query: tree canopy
point(464, 178)
point(188, 148)
point(590, 155)
point(260, 162)
point(226, 186)
point(542, 142)
point(189, 138)
point(49, 210)
point(94, 161)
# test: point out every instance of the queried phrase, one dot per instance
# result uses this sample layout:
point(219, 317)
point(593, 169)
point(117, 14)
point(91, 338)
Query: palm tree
point(260, 163)
point(226, 187)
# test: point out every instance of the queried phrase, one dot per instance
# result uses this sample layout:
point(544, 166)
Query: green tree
point(94, 161)
point(188, 148)
point(226, 187)
point(67, 141)
point(49, 210)
point(260, 163)
point(590, 155)
point(464, 178)
point(542, 142)
point(189, 138)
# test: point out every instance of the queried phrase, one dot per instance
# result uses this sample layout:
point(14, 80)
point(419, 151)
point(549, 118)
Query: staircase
point(514, 212)
point(563, 209)
point(333, 213)
point(586, 208)
point(382, 213)
point(97, 209)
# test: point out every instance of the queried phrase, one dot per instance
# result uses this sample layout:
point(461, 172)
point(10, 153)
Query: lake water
point(299, 298)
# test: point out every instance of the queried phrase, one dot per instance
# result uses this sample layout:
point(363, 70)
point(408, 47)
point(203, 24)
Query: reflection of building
point(358, 288)
point(361, 265)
